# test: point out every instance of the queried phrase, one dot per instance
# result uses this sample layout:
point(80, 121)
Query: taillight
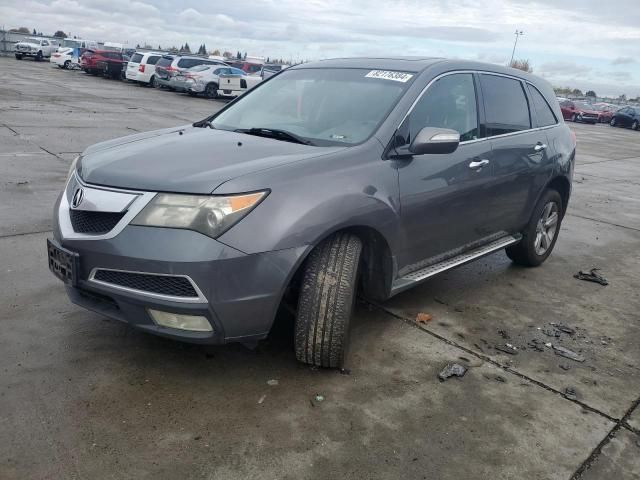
point(141, 68)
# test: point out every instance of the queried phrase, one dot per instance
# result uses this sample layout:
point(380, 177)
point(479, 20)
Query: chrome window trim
point(485, 72)
point(171, 298)
point(140, 200)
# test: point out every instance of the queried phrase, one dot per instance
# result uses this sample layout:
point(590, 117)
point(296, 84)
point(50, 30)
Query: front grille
point(95, 223)
point(159, 284)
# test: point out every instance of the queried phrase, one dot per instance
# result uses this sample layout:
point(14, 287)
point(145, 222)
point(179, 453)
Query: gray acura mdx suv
point(330, 179)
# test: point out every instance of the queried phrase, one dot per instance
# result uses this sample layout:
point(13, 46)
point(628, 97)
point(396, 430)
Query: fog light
point(194, 323)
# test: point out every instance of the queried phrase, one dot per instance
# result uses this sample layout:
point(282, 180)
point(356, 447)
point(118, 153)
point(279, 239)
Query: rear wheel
point(152, 81)
point(67, 64)
point(613, 122)
point(574, 118)
point(18, 56)
point(327, 297)
point(39, 56)
point(634, 125)
point(211, 90)
point(540, 235)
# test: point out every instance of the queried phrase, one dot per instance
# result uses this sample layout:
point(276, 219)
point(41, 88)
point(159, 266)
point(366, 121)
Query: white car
point(236, 85)
point(204, 79)
point(35, 47)
point(142, 67)
point(63, 57)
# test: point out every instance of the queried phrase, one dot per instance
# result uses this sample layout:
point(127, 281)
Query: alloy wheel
point(546, 228)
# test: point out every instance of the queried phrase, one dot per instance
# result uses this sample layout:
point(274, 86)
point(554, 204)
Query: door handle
point(478, 164)
point(540, 146)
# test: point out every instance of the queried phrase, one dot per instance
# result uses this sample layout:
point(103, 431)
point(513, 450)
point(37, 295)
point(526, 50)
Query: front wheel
point(152, 81)
point(67, 64)
point(18, 56)
point(39, 57)
point(613, 122)
point(540, 235)
point(634, 125)
point(574, 118)
point(327, 297)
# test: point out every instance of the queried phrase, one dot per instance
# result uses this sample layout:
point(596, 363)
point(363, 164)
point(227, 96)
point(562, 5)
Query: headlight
point(72, 168)
point(207, 214)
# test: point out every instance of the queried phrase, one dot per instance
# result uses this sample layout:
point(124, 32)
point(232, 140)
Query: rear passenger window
point(136, 58)
point(449, 103)
point(152, 60)
point(505, 105)
point(544, 114)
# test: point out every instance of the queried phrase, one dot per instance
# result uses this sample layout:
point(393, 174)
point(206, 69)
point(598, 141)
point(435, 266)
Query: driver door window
point(449, 103)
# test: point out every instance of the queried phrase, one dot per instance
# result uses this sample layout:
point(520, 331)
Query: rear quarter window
point(153, 60)
point(189, 62)
point(505, 103)
point(136, 58)
point(544, 113)
point(164, 62)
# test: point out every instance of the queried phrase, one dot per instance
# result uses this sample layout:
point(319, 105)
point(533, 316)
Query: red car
point(579, 112)
point(605, 111)
point(247, 67)
point(95, 61)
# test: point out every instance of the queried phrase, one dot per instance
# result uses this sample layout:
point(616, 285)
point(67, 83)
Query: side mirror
point(432, 140)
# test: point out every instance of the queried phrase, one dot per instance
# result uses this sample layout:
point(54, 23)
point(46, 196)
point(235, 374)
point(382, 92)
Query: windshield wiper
point(276, 134)
point(204, 123)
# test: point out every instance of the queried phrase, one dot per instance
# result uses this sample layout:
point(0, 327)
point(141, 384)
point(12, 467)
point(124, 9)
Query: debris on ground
point(563, 328)
point(261, 399)
point(571, 393)
point(536, 345)
point(504, 334)
point(316, 400)
point(565, 367)
point(423, 317)
point(452, 370)
point(592, 276)
point(507, 348)
point(565, 352)
point(272, 383)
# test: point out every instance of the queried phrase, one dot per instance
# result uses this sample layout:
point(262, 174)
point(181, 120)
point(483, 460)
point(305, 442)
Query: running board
point(413, 278)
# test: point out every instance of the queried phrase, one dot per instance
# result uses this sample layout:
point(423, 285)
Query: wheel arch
point(376, 264)
point(561, 185)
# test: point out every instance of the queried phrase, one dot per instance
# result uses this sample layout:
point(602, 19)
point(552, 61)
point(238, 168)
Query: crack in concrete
point(22, 234)
point(618, 180)
point(488, 359)
point(603, 221)
point(620, 423)
point(598, 450)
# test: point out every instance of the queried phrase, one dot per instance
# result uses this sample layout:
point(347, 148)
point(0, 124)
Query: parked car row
point(583, 112)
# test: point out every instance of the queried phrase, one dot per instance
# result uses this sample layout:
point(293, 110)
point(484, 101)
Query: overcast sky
point(588, 44)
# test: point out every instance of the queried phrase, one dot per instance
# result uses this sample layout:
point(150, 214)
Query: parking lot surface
point(85, 397)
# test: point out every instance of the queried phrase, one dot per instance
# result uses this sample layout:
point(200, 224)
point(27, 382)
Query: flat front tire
point(327, 297)
point(540, 235)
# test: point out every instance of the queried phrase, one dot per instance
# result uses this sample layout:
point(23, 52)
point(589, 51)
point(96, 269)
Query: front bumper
point(240, 293)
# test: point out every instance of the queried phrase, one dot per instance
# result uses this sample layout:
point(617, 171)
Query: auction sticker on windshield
point(389, 75)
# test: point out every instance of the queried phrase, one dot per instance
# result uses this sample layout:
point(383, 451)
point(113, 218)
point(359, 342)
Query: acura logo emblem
point(78, 196)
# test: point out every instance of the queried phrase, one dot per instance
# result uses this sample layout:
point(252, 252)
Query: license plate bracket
point(63, 263)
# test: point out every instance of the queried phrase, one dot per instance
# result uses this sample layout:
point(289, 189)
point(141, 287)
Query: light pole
point(517, 34)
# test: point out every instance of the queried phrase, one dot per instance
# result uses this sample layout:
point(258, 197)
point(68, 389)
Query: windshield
point(326, 106)
point(584, 106)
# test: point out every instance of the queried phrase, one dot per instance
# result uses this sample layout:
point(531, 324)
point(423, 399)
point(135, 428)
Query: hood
point(186, 159)
point(27, 44)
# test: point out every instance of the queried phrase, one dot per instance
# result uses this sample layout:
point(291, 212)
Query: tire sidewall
point(530, 232)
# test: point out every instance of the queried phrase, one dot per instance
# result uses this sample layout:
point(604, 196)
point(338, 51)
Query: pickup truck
point(38, 48)
point(236, 85)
